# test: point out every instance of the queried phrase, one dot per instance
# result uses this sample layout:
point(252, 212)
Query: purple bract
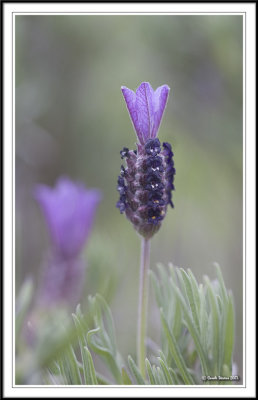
point(146, 108)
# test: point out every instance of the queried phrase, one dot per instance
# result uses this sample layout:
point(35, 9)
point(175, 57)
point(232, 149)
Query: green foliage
point(197, 337)
point(207, 313)
point(102, 339)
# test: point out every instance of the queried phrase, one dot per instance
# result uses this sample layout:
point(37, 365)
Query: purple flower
point(145, 185)
point(146, 108)
point(69, 210)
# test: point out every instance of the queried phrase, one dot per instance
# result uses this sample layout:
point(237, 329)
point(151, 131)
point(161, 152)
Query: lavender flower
point(69, 210)
point(146, 184)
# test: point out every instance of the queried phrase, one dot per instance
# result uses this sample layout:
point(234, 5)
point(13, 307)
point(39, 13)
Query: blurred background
point(71, 120)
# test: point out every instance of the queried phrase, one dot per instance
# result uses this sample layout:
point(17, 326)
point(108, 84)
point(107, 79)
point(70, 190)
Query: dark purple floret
point(154, 186)
point(124, 152)
point(120, 181)
point(152, 147)
point(121, 205)
point(170, 199)
point(123, 171)
point(168, 153)
point(156, 199)
point(170, 171)
point(153, 177)
point(121, 187)
point(155, 196)
point(155, 215)
point(153, 162)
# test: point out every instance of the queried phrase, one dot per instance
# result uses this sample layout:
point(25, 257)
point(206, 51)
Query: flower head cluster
point(69, 210)
point(145, 185)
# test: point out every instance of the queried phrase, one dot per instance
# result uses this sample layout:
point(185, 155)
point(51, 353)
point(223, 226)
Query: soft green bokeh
point(71, 119)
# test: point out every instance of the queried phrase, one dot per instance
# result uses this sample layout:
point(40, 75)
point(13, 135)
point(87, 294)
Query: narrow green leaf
point(173, 376)
point(169, 380)
point(195, 288)
point(190, 295)
point(172, 271)
point(162, 378)
point(229, 333)
point(86, 371)
point(125, 377)
point(135, 371)
point(76, 370)
point(96, 347)
point(72, 367)
point(215, 320)
point(222, 283)
point(84, 320)
point(149, 371)
point(64, 376)
point(82, 344)
point(222, 321)
point(203, 319)
point(193, 331)
point(177, 318)
point(50, 379)
point(91, 378)
point(176, 352)
point(79, 328)
point(219, 302)
point(102, 380)
point(182, 283)
point(105, 353)
point(156, 288)
point(166, 293)
point(103, 340)
point(109, 321)
point(78, 311)
point(156, 375)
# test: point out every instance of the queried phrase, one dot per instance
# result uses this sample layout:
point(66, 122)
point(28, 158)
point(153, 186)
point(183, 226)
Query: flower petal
point(145, 110)
point(159, 103)
point(130, 100)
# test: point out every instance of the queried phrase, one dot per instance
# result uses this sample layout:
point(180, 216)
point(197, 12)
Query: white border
point(120, 8)
point(248, 187)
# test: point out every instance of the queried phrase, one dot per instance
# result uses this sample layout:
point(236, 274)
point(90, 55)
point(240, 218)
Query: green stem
point(143, 303)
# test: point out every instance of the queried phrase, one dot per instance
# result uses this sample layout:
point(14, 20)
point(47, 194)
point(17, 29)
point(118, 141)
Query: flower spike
point(146, 183)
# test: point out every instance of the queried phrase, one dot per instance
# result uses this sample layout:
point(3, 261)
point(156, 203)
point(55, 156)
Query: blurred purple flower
point(69, 210)
point(146, 108)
